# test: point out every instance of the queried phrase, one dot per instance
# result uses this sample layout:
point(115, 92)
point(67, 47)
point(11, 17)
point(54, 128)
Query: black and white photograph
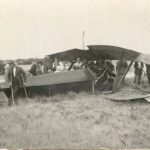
point(74, 74)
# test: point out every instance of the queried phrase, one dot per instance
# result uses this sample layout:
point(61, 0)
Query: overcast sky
point(34, 28)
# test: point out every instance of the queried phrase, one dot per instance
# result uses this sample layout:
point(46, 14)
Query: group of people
point(108, 75)
point(139, 71)
point(39, 68)
point(16, 77)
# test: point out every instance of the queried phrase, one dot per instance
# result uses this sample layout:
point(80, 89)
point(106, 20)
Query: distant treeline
point(22, 61)
point(27, 61)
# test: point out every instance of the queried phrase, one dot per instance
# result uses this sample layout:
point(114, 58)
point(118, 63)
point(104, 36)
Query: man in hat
point(121, 67)
point(16, 77)
point(39, 68)
point(138, 66)
point(6, 72)
point(32, 70)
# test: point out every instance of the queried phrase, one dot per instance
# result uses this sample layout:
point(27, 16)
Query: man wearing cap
point(121, 67)
point(148, 72)
point(138, 66)
point(6, 72)
point(32, 70)
point(16, 77)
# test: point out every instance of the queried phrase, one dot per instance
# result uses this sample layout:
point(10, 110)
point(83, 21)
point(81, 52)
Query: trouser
point(148, 72)
point(16, 94)
point(117, 79)
point(148, 77)
point(137, 79)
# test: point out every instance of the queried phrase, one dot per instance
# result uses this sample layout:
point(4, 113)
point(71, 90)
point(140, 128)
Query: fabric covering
point(97, 52)
point(112, 52)
point(73, 54)
point(126, 93)
point(58, 78)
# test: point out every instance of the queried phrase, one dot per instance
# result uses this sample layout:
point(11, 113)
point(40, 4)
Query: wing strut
point(122, 77)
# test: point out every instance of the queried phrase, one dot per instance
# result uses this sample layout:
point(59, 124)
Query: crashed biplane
point(61, 82)
point(114, 53)
point(75, 80)
point(118, 53)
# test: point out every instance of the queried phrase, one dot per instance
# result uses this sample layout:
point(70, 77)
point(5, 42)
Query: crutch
point(12, 94)
point(24, 88)
point(25, 91)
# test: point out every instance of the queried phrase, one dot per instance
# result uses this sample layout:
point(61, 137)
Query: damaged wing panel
point(112, 52)
point(58, 78)
point(126, 94)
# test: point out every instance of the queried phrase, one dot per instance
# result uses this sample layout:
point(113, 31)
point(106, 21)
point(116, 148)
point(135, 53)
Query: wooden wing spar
point(112, 52)
point(97, 52)
point(73, 54)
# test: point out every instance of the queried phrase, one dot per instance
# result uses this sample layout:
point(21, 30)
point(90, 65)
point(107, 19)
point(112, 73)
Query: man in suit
point(6, 72)
point(32, 70)
point(16, 77)
point(121, 66)
point(138, 66)
point(148, 72)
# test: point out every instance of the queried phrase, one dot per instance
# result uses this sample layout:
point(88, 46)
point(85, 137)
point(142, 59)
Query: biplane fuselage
point(60, 82)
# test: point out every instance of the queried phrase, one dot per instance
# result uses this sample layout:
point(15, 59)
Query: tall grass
point(75, 121)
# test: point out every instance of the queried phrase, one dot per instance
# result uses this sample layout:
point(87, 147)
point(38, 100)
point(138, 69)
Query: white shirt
point(60, 67)
point(139, 65)
point(14, 71)
point(78, 65)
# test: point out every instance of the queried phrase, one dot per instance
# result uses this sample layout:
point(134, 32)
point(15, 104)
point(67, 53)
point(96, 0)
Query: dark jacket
point(138, 71)
point(121, 67)
point(19, 78)
point(33, 70)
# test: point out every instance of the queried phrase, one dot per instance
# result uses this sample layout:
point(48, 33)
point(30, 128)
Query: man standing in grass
point(32, 70)
point(16, 77)
point(138, 66)
point(6, 72)
point(121, 67)
point(148, 72)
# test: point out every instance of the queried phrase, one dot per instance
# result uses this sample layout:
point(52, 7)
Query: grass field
point(75, 121)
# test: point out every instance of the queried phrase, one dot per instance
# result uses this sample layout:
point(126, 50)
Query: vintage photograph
point(74, 74)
